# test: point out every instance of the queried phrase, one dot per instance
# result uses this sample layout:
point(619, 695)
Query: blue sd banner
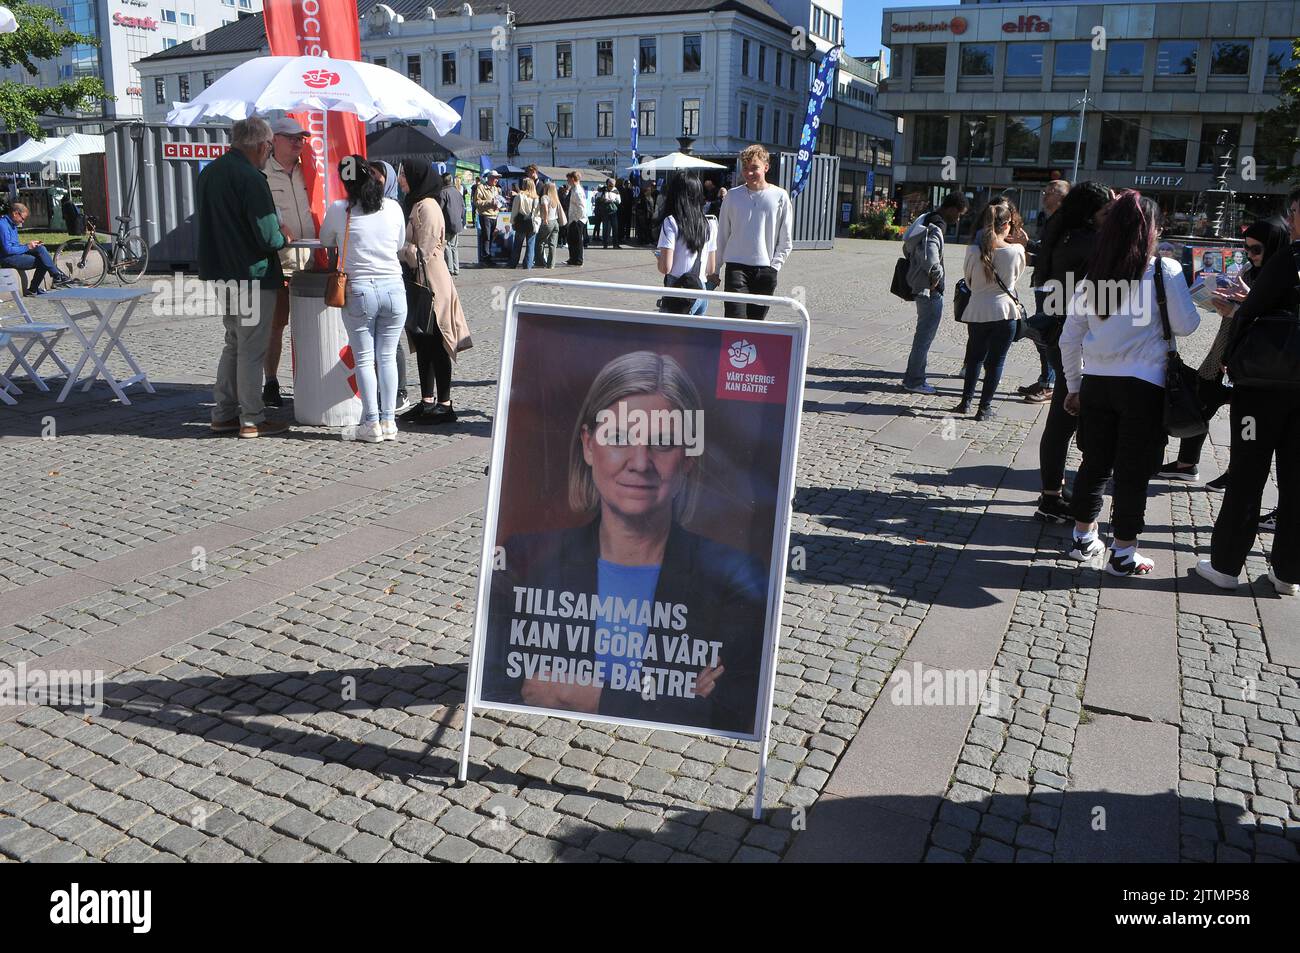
point(821, 88)
point(636, 176)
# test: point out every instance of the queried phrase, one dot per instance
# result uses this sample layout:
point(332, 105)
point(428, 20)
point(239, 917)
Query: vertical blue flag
point(458, 104)
point(821, 88)
point(636, 176)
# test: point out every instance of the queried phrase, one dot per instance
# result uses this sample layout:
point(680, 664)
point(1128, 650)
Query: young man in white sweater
point(754, 234)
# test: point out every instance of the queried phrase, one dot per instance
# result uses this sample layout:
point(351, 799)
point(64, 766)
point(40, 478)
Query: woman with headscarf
point(439, 332)
point(386, 174)
point(1263, 240)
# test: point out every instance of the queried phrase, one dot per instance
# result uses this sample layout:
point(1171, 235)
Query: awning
point(402, 141)
point(20, 159)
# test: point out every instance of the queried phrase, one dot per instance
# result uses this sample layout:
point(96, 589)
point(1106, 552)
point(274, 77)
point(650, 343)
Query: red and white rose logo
point(958, 26)
point(320, 78)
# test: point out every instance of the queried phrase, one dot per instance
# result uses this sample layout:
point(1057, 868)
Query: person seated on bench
point(29, 255)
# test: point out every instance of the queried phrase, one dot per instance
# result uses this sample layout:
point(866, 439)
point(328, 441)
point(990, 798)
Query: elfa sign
point(1028, 24)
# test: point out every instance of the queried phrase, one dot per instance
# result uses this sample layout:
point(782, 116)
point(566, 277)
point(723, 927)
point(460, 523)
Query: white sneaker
point(370, 433)
point(1283, 588)
point(1084, 549)
point(1212, 575)
point(389, 429)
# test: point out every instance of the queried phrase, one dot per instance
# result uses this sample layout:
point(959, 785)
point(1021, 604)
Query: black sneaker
point(963, 408)
point(1269, 522)
point(440, 414)
point(1174, 471)
point(412, 412)
point(62, 281)
point(986, 413)
point(1219, 483)
point(271, 394)
point(1084, 549)
point(1053, 509)
point(1029, 390)
point(1131, 564)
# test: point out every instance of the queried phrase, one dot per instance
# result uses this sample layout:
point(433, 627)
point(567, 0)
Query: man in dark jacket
point(1048, 225)
point(239, 233)
point(452, 201)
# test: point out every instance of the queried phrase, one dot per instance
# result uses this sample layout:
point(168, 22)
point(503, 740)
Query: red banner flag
point(308, 28)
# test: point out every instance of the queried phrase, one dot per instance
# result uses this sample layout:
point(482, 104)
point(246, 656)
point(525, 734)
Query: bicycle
point(88, 261)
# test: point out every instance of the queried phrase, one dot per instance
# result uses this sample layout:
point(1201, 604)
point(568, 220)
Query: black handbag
point(960, 298)
point(1184, 414)
point(421, 316)
point(899, 287)
point(1266, 353)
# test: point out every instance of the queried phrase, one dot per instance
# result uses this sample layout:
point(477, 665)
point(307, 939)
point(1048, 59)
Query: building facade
point(1004, 96)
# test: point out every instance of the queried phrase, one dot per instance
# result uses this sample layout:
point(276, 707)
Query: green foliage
point(42, 34)
point(1284, 120)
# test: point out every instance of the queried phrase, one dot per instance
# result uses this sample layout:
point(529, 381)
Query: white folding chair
point(22, 337)
point(6, 385)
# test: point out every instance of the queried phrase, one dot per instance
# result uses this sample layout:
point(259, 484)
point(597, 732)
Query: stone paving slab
point(1133, 667)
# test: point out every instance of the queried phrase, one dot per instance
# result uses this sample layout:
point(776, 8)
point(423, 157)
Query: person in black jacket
point(654, 622)
point(1265, 422)
point(1064, 253)
point(1040, 252)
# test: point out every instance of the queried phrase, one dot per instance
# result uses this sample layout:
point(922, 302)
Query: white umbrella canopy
point(314, 84)
point(8, 23)
point(673, 162)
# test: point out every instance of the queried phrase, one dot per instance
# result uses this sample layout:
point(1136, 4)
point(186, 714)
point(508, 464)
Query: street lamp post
point(973, 124)
point(552, 126)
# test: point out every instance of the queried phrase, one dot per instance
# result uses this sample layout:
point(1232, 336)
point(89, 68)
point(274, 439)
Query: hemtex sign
point(74, 906)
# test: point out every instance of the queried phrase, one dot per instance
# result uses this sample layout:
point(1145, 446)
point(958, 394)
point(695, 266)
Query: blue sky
point(862, 22)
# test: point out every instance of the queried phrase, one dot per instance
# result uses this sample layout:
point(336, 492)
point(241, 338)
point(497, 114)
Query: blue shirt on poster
point(626, 583)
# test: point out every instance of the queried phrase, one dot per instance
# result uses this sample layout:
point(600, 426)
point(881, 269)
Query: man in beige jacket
point(289, 189)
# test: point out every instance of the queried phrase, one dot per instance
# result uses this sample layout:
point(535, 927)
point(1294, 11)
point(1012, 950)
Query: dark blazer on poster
point(724, 590)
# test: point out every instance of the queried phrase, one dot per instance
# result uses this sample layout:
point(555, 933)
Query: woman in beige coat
point(445, 332)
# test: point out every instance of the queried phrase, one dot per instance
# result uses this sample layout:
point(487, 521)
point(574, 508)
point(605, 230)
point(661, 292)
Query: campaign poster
point(1221, 260)
point(638, 519)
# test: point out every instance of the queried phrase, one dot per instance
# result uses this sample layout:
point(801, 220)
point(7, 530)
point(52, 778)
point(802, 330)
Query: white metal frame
point(102, 305)
point(798, 331)
point(34, 333)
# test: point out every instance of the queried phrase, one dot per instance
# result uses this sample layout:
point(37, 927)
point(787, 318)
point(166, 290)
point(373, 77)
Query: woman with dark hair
point(386, 176)
point(687, 242)
point(1265, 425)
point(992, 267)
point(369, 229)
point(1264, 239)
point(1068, 248)
point(440, 332)
point(1114, 355)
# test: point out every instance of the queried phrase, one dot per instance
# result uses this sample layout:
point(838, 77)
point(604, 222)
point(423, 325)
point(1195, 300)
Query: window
point(185, 87)
point(976, 59)
point(169, 16)
point(485, 59)
point(789, 129)
point(930, 61)
point(1125, 58)
point(776, 125)
point(381, 61)
point(1229, 58)
point(1281, 57)
point(168, 43)
point(1023, 138)
point(485, 124)
point(776, 72)
point(526, 120)
point(246, 4)
point(758, 123)
point(1065, 136)
point(564, 117)
point(1119, 142)
point(1274, 146)
point(977, 147)
point(1073, 59)
point(1210, 155)
point(524, 64)
point(762, 62)
point(817, 20)
point(744, 120)
point(834, 35)
point(604, 120)
point(792, 72)
point(449, 69)
point(744, 57)
point(160, 91)
point(1024, 59)
point(1168, 142)
point(604, 57)
point(413, 68)
point(563, 60)
point(649, 48)
point(1176, 58)
point(691, 53)
point(187, 19)
point(690, 117)
point(208, 78)
point(645, 117)
point(931, 137)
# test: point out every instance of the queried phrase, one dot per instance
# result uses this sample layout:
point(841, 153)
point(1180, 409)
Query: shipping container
point(815, 207)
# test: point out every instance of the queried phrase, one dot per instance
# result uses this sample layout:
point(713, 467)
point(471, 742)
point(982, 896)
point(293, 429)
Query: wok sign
point(194, 150)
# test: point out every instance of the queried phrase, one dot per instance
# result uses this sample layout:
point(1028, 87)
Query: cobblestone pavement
point(285, 623)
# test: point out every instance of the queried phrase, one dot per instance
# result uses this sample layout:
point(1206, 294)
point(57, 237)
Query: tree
point(42, 34)
point(1278, 126)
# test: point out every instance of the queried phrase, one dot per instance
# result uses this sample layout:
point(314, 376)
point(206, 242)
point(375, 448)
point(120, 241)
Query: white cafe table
point(101, 305)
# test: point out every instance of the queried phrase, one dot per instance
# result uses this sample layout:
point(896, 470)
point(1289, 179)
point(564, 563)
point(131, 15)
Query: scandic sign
point(142, 23)
point(194, 150)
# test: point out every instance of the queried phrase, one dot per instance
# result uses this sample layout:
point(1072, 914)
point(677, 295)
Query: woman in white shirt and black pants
point(1114, 355)
point(992, 268)
point(371, 228)
point(687, 243)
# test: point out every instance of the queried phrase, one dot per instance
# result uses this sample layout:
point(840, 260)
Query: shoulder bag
point(421, 314)
point(960, 299)
point(1266, 353)
point(1183, 414)
point(336, 283)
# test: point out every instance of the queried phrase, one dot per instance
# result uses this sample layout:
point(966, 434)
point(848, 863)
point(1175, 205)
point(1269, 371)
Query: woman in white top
point(553, 223)
point(688, 243)
point(993, 266)
point(523, 216)
point(370, 229)
point(1114, 355)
